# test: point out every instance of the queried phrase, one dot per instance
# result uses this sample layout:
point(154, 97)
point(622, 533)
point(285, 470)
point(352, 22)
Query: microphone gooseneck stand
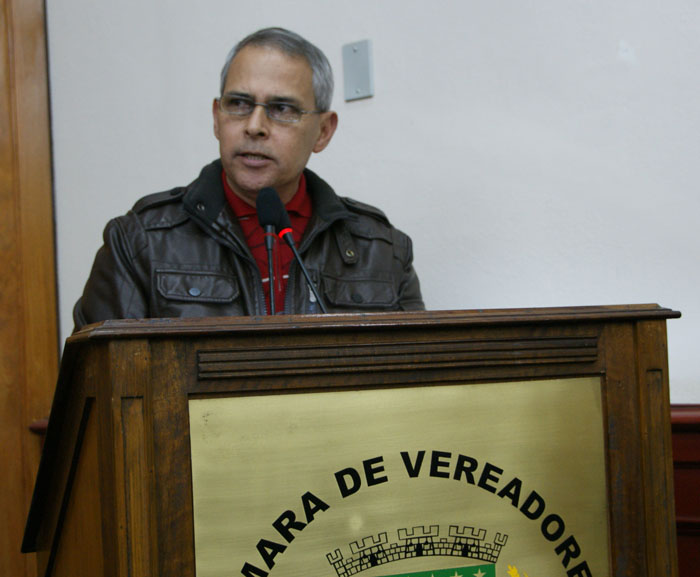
point(272, 214)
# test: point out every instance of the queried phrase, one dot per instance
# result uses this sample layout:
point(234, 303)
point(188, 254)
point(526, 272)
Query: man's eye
point(234, 103)
point(281, 108)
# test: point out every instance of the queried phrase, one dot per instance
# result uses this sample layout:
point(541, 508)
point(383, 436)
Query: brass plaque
point(499, 479)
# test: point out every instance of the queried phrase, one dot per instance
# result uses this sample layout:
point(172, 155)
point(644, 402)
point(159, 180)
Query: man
point(199, 250)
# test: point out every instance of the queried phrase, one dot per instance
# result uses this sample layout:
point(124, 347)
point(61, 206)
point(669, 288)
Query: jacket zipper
point(223, 235)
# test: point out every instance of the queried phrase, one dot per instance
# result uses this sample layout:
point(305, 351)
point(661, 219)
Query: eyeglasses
point(278, 111)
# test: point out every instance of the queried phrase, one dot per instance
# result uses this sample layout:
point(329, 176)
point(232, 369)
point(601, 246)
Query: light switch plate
point(358, 71)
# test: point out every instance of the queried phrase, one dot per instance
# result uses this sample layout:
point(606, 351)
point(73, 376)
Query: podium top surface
point(140, 328)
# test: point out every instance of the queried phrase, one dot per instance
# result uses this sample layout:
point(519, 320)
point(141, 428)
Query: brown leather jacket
point(181, 253)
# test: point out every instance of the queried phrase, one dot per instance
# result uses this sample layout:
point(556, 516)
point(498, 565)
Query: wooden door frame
point(28, 304)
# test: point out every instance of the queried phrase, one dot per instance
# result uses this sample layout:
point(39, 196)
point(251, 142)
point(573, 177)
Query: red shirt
point(300, 210)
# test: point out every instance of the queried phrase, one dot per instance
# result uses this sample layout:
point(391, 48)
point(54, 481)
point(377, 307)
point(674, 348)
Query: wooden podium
point(374, 395)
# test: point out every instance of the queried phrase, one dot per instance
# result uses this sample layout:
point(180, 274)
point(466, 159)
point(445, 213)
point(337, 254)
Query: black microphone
point(268, 205)
point(284, 231)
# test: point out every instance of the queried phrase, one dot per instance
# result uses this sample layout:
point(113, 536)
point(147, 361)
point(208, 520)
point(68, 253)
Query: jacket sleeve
point(410, 298)
point(114, 289)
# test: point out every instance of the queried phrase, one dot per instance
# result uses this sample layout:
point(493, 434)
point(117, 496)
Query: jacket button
point(194, 291)
point(200, 207)
point(350, 253)
point(357, 298)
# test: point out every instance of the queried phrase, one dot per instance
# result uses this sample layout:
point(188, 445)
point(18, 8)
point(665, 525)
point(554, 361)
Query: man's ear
point(329, 122)
point(215, 114)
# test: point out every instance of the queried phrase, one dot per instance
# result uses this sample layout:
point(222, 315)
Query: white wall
point(538, 153)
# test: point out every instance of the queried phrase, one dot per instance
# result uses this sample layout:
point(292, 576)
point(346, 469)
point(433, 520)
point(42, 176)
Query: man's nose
point(257, 123)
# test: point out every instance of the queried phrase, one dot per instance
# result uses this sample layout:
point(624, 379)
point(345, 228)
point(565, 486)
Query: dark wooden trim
point(685, 418)
point(397, 355)
point(688, 526)
point(130, 328)
point(685, 426)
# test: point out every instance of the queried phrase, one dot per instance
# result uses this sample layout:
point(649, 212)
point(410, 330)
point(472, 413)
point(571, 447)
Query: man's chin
point(247, 188)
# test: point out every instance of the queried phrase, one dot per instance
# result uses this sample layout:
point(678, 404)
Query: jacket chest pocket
point(196, 286)
point(359, 293)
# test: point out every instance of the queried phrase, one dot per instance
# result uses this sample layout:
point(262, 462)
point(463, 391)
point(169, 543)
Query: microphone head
point(271, 211)
point(269, 207)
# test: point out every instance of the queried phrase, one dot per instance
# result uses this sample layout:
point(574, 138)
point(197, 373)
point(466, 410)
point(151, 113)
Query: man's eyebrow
point(240, 94)
point(284, 99)
point(278, 98)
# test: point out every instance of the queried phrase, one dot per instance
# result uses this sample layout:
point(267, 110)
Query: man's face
point(256, 151)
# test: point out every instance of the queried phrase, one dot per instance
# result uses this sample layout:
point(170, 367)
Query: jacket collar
point(205, 200)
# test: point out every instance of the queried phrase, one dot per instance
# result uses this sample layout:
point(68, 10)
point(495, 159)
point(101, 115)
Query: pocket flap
point(196, 286)
point(359, 292)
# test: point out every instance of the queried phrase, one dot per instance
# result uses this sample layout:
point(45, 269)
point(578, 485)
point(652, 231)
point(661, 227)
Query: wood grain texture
point(28, 327)
point(625, 483)
point(137, 497)
point(172, 458)
point(133, 457)
point(81, 527)
point(657, 460)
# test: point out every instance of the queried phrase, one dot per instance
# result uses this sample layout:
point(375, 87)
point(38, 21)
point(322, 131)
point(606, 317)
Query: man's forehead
point(268, 66)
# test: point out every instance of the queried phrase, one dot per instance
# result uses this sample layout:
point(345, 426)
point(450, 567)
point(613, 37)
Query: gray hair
point(294, 45)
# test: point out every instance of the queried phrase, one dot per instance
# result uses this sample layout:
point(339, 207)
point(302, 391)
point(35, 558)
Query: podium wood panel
point(142, 375)
point(82, 522)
